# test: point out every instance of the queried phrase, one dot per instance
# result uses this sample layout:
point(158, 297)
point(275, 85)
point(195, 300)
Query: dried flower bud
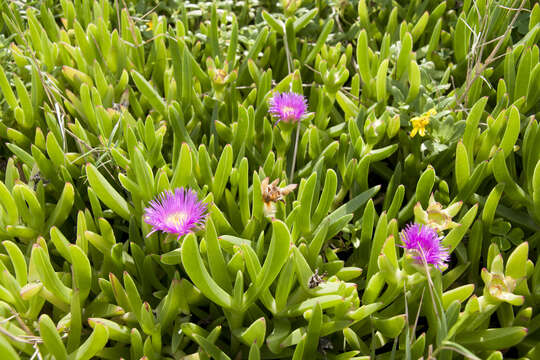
point(316, 279)
point(271, 193)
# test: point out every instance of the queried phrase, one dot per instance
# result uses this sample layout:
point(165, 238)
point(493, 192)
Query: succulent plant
point(277, 240)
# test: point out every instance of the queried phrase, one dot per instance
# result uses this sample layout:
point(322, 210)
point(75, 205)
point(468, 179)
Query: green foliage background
point(105, 104)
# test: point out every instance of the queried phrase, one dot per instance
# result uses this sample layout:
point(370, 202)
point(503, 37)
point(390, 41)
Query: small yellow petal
point(413, 132)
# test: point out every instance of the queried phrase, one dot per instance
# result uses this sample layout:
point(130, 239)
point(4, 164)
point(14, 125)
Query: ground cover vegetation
point(295, 179)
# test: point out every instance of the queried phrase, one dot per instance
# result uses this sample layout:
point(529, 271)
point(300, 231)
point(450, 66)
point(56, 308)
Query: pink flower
point(424, 243)
point(176, 213)
point(288, 107)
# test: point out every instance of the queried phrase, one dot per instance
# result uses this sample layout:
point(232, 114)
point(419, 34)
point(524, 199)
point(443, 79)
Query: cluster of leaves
point(105, 104)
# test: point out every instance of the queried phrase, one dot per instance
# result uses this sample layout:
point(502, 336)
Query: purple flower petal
point(176, 213)
point(424, 242)
point(288, 107)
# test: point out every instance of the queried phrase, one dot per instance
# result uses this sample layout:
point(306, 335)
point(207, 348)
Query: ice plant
point(435, 216)
point(425, 245)
point(288, 107)
point(500, 288)
point(419, 123)
point(175, 213)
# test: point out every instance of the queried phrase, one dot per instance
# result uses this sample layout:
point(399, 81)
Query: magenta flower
point(425, 244)
point(288, 107)
point(176, 213)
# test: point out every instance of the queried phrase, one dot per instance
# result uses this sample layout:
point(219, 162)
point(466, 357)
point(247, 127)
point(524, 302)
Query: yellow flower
point(150, 26)
point(420, 122)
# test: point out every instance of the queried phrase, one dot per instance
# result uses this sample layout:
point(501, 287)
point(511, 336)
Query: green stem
point(289, 67)
point(295, 151)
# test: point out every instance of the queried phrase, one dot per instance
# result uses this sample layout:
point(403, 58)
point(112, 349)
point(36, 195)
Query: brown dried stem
point(477, 65)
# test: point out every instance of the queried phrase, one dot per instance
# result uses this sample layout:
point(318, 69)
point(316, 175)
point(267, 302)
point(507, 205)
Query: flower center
point(421, 122)
point(176, 219)
point(288, 111)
